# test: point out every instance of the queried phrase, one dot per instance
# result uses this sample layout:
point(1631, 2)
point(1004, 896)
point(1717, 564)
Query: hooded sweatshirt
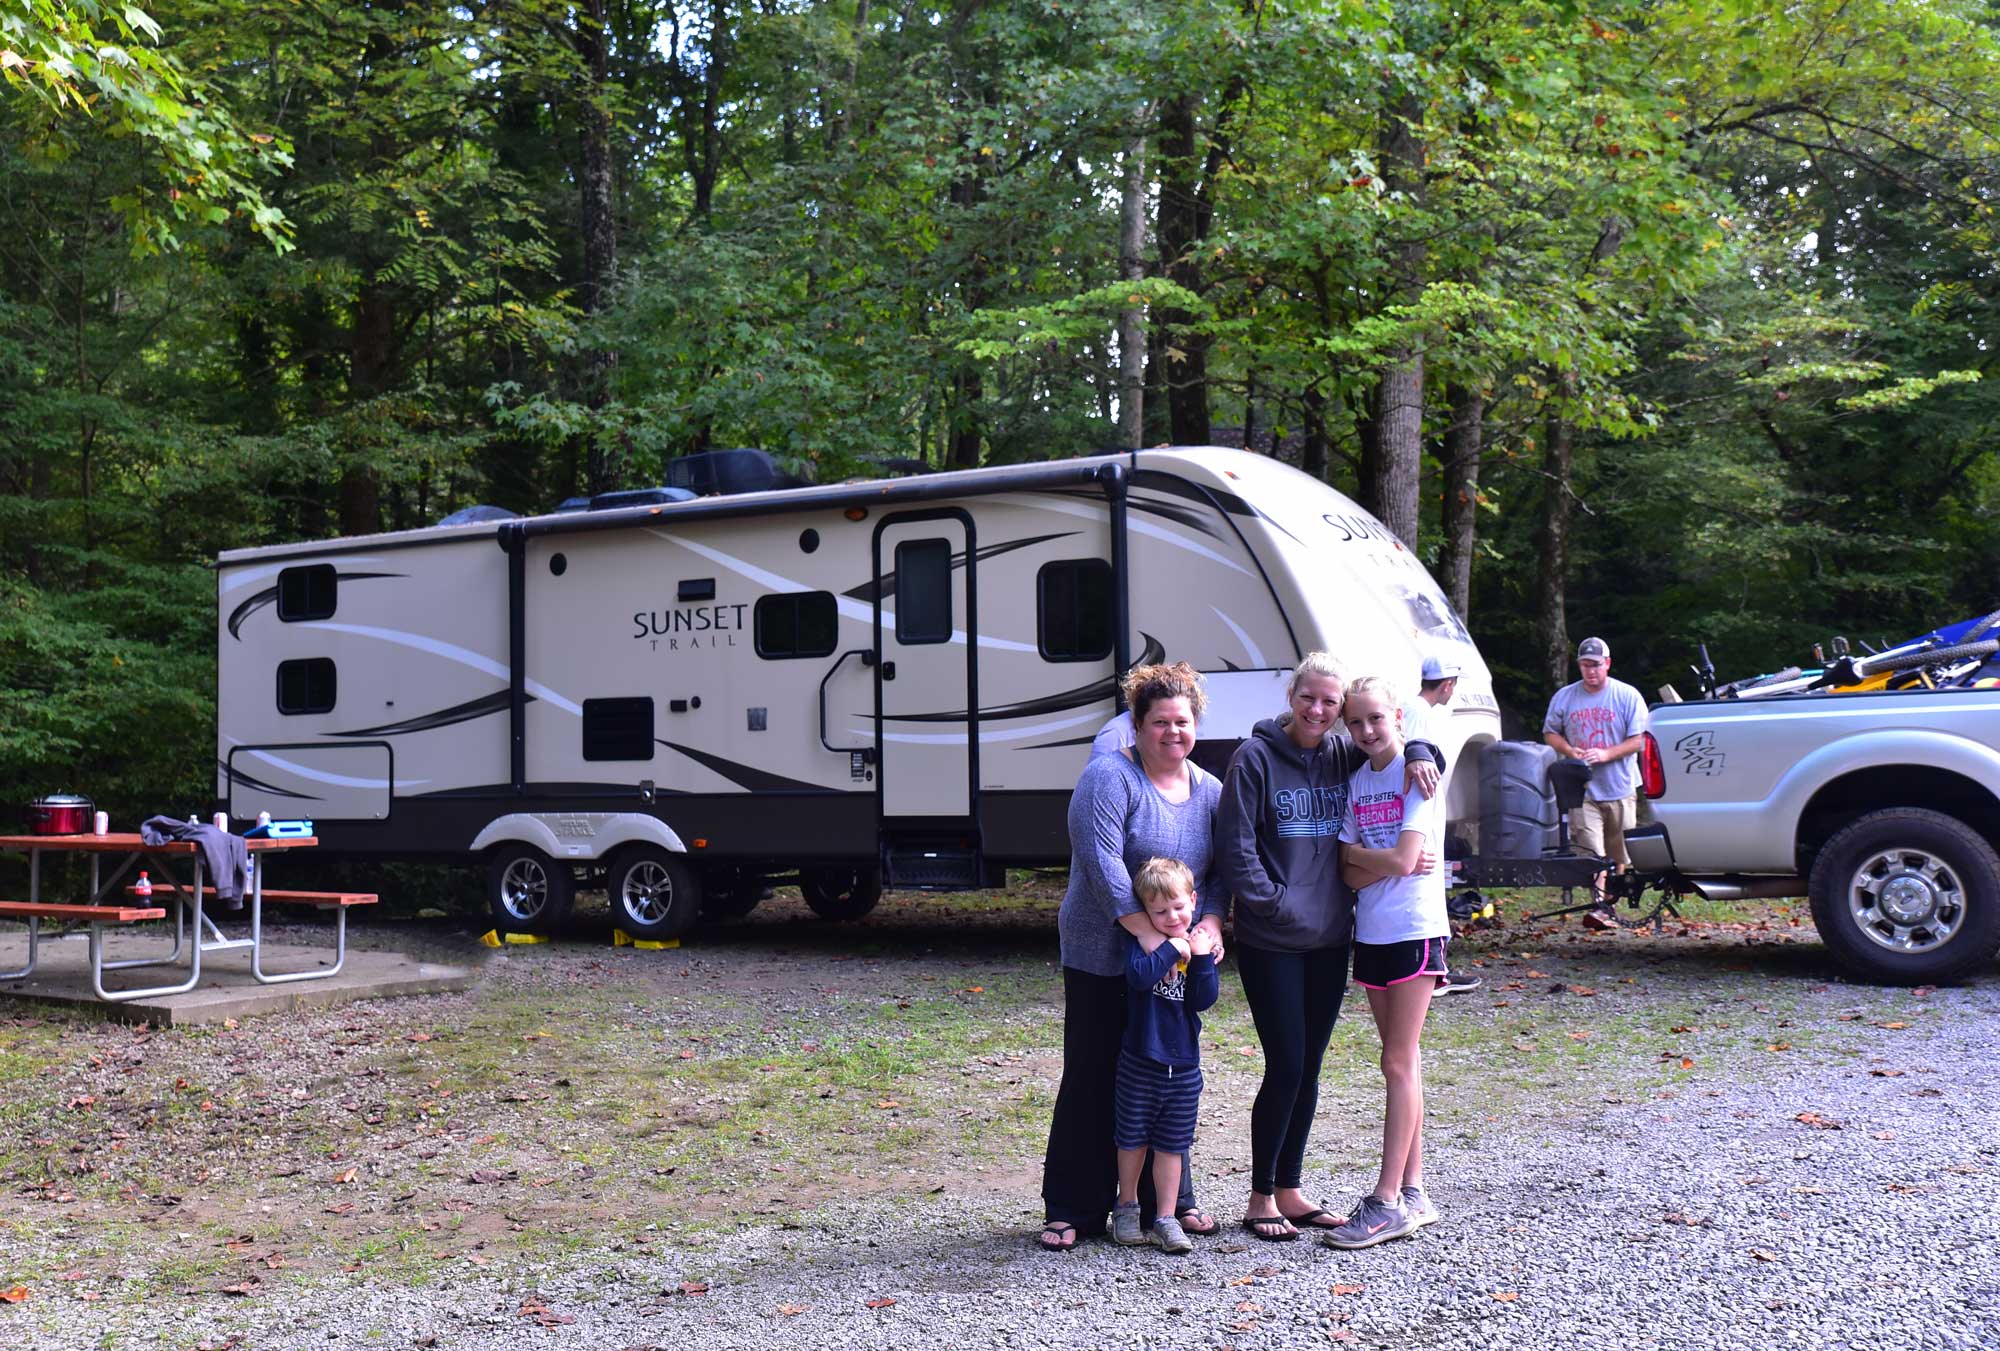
point(1277, 837)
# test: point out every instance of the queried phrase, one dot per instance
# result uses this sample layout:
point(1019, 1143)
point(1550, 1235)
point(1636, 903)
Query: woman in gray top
point(1150, 801)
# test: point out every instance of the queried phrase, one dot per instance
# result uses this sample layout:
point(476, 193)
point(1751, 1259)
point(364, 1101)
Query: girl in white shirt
point(1400, 933)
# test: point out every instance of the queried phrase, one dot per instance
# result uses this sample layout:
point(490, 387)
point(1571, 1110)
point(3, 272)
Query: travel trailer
point(889, 683)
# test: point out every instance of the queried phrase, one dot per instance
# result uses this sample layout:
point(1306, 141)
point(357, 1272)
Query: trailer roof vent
point(711, 472)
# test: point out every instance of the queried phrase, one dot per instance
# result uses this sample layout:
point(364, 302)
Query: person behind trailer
point(1159, 1063)
point(1438, 682)
point(1277, 832)
point(1150, 801)
point(1400, 934)
point(1601, 722)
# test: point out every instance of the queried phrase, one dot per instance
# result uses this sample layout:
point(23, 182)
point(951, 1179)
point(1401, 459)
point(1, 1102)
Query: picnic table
point(113, 903)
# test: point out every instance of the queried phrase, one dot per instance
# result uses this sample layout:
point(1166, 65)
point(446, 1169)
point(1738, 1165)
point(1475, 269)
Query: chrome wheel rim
point(524, 888)
point(1906, 900)
point(647, 893)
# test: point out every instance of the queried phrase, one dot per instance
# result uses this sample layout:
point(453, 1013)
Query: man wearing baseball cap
point(1601, 722)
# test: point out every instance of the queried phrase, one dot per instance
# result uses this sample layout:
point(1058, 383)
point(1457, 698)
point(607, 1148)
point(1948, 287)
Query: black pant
point(1294, 1000)
point(1080, 1170)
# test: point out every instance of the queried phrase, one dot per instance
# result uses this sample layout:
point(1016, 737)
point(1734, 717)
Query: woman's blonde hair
point(1382, 688)
point(1144, 686)
point(1317, 664)
point(1162, 877)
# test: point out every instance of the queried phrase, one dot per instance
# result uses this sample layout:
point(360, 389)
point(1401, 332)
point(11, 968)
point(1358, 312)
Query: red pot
point(60, 814)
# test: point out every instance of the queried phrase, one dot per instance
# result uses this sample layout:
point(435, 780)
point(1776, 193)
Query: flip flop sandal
point(1057, 1229)
point(1262, 1224)
point(1316, 1219)
point(1203, 1225)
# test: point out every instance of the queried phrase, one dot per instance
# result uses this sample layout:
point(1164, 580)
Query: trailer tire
point(730, 894)
point(840, 893)
point(527, 892)
point(653, 894)
point(1906, 896)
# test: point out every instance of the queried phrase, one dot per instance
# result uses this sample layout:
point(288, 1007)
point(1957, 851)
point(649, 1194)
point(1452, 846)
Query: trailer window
point(797, 624)
point(617, 729)
point(307, 593)
point(1073, 610)
point(923, 591)
point(307, 685)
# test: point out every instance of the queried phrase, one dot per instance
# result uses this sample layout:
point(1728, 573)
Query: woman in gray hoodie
point(1277, 847)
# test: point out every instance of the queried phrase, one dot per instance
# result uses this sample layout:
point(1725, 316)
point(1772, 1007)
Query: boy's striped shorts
point(1155, 1104)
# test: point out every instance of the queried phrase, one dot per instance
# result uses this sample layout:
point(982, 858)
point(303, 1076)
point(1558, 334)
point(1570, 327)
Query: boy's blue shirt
point(1163, 1005)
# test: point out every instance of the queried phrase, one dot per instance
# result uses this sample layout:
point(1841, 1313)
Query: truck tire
point(840, 893)
point(1905, 896)
point(527, 891)
point(654, 894)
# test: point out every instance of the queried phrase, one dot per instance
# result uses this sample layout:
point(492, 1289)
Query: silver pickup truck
point(1879, 807)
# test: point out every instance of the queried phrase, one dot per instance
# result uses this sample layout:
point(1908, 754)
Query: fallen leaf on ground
point(1893, 1027)
point(418, 1036)
point(1506, 1296)
point(1779, 1046)
point(492, 1175)
point(1887, 1074)
point(793, 1310)
point(693, 1288)
point(14, 1296)
point(1763, 1255)
point(1818, 1122)
point(345, 1176)
point(882, 1302)
point(1348, 1289)
point(1923, 990)
point(888, 1102)
point(1583, 990)
point(1687, 1063)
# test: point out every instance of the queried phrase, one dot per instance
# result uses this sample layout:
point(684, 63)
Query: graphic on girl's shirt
point(1380, 819)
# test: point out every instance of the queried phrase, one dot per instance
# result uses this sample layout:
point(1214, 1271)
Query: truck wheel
point(840, 893)
point(731, 893)
point(1906, 896)
point(654, 894)
point(528, 892)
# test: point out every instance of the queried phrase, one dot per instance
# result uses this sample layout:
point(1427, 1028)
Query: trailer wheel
point(1906, 896)
point(654, 894)
point(527, 891)
point(840, 893)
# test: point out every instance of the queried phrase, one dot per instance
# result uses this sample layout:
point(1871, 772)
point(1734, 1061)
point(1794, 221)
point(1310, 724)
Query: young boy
point(1159, 1063)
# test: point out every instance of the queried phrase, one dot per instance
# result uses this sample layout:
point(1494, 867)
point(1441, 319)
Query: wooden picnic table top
point(131, 842)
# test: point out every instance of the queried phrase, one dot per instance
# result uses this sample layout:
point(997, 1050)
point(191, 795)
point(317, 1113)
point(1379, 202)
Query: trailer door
point(926, 667)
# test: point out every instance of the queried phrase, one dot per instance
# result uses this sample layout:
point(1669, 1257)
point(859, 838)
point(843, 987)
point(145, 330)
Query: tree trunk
point(1132, 319)
point(1183, 221)
point(598, 212)
point(1313, 459)
point(1463, 446)
point(373, 357)
point(1392, 466)
point(1552, 560)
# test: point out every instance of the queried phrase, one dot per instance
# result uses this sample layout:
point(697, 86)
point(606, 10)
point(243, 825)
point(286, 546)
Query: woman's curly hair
point(1144, 686)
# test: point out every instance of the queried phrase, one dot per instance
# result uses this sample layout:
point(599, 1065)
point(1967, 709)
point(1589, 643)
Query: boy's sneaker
point(1422, 1212)
point(1125, 1226)
point(1373, 1221)
point(1452, 982)
point(1167, 1233)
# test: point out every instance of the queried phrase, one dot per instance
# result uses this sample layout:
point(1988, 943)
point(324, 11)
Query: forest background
point(1665, 322)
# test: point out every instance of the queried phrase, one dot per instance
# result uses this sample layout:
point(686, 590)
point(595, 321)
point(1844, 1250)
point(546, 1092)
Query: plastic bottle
point(144, 886)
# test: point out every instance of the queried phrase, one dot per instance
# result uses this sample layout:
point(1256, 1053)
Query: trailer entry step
point(914, 867)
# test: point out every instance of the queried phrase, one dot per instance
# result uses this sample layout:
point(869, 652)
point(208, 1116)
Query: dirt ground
point(588, 1097)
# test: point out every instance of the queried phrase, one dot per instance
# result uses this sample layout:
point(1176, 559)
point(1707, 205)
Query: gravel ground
point(1841, 1195)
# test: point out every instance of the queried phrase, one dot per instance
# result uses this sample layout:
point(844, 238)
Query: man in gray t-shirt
point(1601, 722)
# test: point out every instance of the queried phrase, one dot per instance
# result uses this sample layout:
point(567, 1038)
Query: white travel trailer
point(890, 682)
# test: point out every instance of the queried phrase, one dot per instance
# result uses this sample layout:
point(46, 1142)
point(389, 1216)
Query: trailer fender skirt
point(578, 835)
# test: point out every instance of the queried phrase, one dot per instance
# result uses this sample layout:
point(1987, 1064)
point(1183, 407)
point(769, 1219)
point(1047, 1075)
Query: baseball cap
point(1440, 668)
point(1593, 649)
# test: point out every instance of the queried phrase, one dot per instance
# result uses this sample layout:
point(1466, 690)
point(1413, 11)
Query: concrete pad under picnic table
point(227, 989)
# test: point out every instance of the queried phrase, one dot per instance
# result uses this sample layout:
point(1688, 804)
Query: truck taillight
point(1652, 771)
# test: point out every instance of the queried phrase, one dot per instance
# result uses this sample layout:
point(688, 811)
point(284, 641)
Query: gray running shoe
point(1453, 982)
point(1373, 1221)
point(1125, 1226)
point(1167, 1233)
point(1418, 1203)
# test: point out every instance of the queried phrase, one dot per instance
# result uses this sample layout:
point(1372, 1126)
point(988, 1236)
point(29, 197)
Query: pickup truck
point(1879, 807)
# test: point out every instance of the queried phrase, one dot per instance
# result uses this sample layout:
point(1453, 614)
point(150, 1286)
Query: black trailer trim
point(515, 543)
point(1113, 477)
